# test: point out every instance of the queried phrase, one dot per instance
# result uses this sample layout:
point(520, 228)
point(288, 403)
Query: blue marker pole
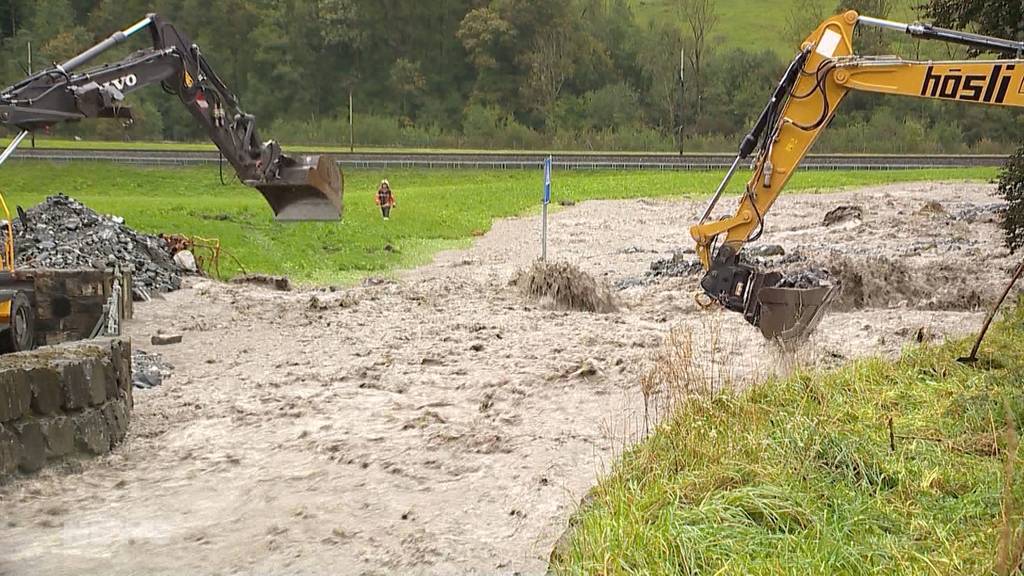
point(544, 209)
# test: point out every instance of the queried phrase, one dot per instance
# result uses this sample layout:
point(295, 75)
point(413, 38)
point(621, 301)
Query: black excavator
point(296, 187)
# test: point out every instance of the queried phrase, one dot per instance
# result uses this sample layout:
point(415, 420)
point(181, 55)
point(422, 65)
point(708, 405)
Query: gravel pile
point(62, 233)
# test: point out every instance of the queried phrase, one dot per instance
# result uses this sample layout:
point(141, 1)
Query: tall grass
point(877, 468)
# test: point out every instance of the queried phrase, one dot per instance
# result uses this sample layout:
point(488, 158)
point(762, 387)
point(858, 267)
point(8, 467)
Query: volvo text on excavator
point(296, 187)
point(801, 107)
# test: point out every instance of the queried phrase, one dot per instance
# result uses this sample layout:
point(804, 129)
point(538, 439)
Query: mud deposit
point(446, 423)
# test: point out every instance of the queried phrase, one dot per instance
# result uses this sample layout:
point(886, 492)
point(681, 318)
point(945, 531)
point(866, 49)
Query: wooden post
point(682, 98)
point(30, 73)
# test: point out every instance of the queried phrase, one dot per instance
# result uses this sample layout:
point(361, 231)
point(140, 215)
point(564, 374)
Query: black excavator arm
point(296, 187)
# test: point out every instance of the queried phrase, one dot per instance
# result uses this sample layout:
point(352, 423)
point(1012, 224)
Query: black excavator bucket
point(789, 315)
point(306, 188)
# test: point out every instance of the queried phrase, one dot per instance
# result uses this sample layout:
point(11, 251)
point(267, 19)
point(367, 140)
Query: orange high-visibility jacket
point(385, 197)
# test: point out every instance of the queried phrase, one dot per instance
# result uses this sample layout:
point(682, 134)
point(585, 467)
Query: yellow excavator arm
point(817, 81)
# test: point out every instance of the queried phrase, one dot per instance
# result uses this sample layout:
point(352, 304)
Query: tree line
point(570, 74)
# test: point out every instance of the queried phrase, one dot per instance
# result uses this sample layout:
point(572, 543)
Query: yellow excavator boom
point(803, 104)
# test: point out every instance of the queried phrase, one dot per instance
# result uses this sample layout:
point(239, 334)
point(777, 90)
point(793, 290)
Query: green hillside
point(758, 23)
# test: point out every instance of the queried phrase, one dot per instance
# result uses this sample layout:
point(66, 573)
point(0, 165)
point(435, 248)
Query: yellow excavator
point(801, 107)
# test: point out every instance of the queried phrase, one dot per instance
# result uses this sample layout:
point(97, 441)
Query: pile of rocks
point(62, 233)
point(149, 370)
point(680, 265)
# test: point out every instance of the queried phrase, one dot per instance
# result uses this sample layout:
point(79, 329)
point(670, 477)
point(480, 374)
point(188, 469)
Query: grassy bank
point(801, 476)
point(437, 209)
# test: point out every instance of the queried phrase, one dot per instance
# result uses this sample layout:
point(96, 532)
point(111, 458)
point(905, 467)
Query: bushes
point(614, 106)
point(490, 127)
point(369, 130)
point(603, 122)
point(609, 119)
point(1011, 186)
point(632, 138)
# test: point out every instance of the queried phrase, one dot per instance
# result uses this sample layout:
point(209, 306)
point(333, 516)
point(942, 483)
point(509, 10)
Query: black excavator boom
point(296, 187)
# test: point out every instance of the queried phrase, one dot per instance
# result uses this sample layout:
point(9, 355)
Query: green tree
point(1005, 19)
point(614, 106)
point(488, 40)
point(803, 18)
point(870, 41)
point(658, 58)
point(701, 18)
point(408, 81)
point(551, 64)
point(1001, 18)
point(1011, 186)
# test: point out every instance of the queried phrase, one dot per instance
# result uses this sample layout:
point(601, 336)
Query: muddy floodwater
point(443, 423)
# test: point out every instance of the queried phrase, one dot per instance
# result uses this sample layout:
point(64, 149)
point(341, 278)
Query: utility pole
point(545, 200)
point(351, 125)
point(30, 73)
point(682, 97)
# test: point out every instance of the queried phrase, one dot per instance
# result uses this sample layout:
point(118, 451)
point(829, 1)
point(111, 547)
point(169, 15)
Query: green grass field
point(755, 24)
point(437, 209)
point(801, 476)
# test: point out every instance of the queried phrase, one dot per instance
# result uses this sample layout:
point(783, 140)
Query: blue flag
point(547, 180)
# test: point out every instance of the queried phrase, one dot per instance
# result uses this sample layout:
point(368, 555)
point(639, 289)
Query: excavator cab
point(305, 188)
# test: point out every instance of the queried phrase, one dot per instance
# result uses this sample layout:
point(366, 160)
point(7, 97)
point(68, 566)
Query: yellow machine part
point(829, 70)
point(807, 113)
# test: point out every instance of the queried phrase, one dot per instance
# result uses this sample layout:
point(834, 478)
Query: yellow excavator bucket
point(306, 188)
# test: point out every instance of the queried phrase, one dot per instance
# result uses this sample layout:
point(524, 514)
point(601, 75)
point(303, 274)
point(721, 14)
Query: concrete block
point(47, 396)
point(165, 339)
point(59, 433)
point(96, 376)
point(75, 387)
point(15, 394)
point(121, 361)
point(33, 445)
point(111, 388)
point(91, 433)
point(10, 450)
point(117, 420)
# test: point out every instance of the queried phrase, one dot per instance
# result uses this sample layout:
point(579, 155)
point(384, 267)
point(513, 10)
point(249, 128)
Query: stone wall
point(71, 400)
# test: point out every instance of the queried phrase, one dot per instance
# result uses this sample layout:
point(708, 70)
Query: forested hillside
point(568, 74)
